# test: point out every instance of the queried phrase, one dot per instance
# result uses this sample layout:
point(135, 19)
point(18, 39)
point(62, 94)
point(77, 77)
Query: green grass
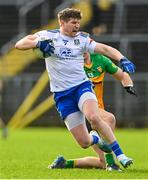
point(25, 154)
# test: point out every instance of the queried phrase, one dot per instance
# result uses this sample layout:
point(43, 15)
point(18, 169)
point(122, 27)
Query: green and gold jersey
point(99, 65)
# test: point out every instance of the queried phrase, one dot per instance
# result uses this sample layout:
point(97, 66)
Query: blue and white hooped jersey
point(66, 66)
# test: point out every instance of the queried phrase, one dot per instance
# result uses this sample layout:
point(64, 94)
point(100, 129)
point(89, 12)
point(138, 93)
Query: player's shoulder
point(101, 58)
point(53, 30)
point(83, 34)
point(98, 57)
point(47, 32)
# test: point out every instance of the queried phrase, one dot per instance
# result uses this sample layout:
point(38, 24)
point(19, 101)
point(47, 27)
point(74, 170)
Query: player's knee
point(84, 143)
point(95, 120)
point(111, 121)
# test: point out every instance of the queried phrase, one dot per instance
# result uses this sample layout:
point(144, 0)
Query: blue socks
point(95, 139)
point(116, 148)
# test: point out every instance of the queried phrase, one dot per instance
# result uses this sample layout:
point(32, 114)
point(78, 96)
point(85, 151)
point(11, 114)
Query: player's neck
point(87, 61)
point(65, 33)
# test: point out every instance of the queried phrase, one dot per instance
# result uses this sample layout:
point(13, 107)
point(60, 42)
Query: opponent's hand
point(46, 47)
point(127, 66)
point(131, 90)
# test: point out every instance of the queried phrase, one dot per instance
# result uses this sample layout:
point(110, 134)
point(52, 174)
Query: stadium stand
point(10, 62)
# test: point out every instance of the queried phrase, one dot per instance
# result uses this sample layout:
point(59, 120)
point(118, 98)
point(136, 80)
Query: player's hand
point(131, 90)
point(127, 65)
point(46, 47)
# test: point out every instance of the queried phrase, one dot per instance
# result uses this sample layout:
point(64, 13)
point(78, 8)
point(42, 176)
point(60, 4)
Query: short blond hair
point(68, 13)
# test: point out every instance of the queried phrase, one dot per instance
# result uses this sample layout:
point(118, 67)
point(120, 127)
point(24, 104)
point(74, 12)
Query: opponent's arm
point(113, 53)
point(126, 81)
point(128, 84)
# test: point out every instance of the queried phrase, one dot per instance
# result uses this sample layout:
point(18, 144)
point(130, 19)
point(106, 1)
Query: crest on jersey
point(100, 69)
point(65, 41)
point(76, 41)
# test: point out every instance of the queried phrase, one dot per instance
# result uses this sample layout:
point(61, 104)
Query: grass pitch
point(26, 153)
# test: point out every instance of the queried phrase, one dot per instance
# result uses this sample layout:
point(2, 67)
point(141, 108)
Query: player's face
point(71, 27)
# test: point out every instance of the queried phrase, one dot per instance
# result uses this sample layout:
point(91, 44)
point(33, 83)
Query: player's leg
point(78, 133)
point(90, 109)
point(91, 112)
point(87, 162)
point(73, 118)
point(108, 117)
point(84, 162)
point(107, 158)
point(76, 124)
point(98, 162)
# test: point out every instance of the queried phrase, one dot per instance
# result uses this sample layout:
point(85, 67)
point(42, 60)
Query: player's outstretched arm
point(108, 51)
point(114, 54)
point(126, 81)
point(128, 84)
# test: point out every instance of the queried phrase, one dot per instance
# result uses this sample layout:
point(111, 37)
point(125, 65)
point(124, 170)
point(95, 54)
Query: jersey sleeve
point(110, 67)
point(43, 34)
point(90, 45)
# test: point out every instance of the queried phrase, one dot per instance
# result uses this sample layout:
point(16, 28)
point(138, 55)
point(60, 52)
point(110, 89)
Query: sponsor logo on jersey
point(65, 52)
point(76, 41)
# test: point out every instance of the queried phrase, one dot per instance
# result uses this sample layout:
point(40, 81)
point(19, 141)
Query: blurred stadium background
point(25, 95)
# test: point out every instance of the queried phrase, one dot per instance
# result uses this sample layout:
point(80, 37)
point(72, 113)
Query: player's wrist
point(129, 85)
point(123, 59)
point(131, 90)
point(37, 44)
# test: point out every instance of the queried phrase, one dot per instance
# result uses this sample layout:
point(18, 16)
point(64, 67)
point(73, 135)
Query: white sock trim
point(121, 157)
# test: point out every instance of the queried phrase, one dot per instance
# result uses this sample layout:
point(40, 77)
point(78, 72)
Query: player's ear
point(61, 22)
